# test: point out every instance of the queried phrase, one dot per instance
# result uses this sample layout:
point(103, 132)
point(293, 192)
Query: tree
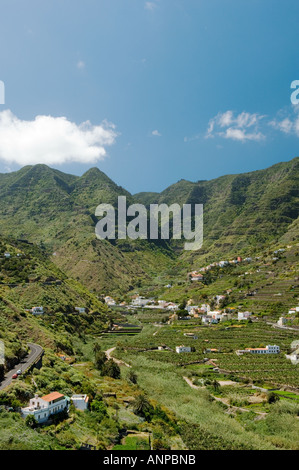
point(31, 422)
point(182, 313)
point(100, 359)
point(183, 305)
point(98, 406)
point(272, 398)
point(216, 385)
point(143, 408)
point(132, 377)
point(111, 369)
point(141, 405)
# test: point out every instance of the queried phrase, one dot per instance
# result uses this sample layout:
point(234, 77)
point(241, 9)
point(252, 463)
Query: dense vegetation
point(199, 400)
point(242, 213)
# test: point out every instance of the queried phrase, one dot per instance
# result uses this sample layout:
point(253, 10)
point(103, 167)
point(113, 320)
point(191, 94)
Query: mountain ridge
point(242, 213)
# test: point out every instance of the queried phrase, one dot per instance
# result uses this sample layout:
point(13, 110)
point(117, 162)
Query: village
point(214, 312)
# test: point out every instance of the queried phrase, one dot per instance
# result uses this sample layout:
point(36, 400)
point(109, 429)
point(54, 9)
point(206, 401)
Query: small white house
point(294, 357)
point(80, 309)
point(223, 263)
point(109, 300)
point(182, 349)
point(191, 308)
point(140, 302)
point(293, 310)
point(7, 255)
point(244, 315)
point(205, 320)
point(46, 406)
point(172, 306)
point(37, 310)
point(215, 314)
point(195, 276)
point(80, 402)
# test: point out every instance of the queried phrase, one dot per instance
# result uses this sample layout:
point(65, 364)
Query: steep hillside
point(29, 279)
point(56, 210)
point(242, 214)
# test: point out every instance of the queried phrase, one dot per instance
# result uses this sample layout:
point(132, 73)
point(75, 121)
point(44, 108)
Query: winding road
point(35, 352)
point(117, 361)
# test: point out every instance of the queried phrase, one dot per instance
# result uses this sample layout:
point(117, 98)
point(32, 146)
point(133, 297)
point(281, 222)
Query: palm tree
point(140, 404)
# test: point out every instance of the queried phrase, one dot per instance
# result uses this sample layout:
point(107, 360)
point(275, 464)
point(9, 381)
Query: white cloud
point(156, 133)
point(194, 137)
point(52, 140)
point(150, 6)
point(286, 125)
point(287, 122)
point(243, 127)
point(241, 135)
point(81, 64)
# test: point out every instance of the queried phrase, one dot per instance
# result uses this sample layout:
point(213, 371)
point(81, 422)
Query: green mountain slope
point(49, 207)
point(242, 214)
point(28, 279)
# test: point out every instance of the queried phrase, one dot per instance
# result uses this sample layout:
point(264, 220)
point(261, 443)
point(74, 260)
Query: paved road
point(35, 352)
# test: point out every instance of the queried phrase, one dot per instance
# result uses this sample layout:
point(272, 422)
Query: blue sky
point(171, 89)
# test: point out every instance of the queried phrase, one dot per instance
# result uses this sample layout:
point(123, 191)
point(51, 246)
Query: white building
point(269, 349)
point(205, 307)
point(205, 320)
point(182, 349)
point(46, 406)
point(109, 300)
point(140, 302)
point(37, 310)
point(189, 308)
point(223, 263)
point(244, 315)
point(172, 306)
point(195, 276)
point(293, 310)
point(80, 309)
point(215, 315)
point(294, 357)
point(80, 402)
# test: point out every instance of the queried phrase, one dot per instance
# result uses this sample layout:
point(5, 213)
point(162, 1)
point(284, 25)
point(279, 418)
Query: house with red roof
point(42, 408)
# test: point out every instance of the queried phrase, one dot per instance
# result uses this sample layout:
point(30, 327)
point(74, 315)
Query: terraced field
point(223, 341)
